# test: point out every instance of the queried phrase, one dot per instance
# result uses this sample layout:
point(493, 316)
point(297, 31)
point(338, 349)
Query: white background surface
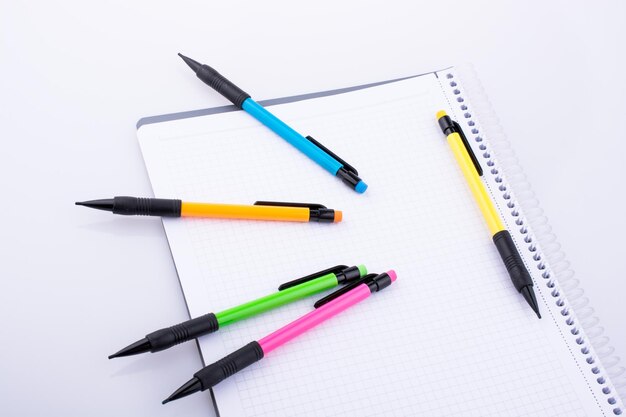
point(78, 284)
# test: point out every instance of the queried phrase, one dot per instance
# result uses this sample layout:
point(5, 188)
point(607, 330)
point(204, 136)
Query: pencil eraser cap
point(362, 270)
point(392, 274)
point(360, 187)
point(441, 113)
point(338, 216)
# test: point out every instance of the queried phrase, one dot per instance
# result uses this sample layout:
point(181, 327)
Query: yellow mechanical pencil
point(501, 237)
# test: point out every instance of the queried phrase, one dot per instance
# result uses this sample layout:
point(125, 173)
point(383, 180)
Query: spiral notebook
point(451, 336)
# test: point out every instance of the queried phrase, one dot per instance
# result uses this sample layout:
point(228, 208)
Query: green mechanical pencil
point(209, 323)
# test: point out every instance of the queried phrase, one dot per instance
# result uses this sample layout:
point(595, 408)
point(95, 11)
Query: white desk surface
point(75, 76)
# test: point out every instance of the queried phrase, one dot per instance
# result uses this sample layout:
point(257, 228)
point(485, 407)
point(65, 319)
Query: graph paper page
point(450, 337)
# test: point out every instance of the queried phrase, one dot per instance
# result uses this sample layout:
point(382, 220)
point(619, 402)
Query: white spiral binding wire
point(569, 297)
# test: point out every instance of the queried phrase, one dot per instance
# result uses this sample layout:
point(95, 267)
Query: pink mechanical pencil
point(325, 308)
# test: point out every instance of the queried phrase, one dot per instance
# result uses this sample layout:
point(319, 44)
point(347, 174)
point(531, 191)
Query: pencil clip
point(334, 269)
point(367, 278)
point(311, 206)
point(346, 165)
point(468, 148)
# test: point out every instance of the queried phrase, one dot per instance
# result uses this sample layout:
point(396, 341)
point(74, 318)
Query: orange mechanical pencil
point(260, 210)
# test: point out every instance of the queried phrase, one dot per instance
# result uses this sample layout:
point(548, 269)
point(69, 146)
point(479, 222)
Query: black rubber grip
point(222, 85)
point(215, 373)
point(512, 260)
point(179, 333)
point(138, 206)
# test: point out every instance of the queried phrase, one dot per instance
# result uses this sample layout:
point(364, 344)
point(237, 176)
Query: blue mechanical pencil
point(307, 145)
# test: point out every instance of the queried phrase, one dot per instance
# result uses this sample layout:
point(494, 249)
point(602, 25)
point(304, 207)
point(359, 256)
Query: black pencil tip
point(188, 388)
point(139, 346)
point(529, 295)
point(106, 204)
point(194, 65)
